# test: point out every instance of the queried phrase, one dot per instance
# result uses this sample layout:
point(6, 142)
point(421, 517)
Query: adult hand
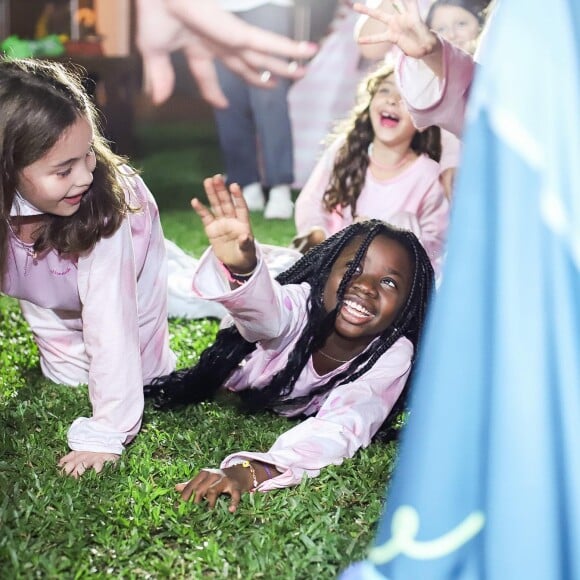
point(227, 225)
point(164, 26)
point(76, 463)
point(210, 484)
point(404, 27)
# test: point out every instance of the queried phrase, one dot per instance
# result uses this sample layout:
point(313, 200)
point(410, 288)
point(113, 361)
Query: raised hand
point(404, 28)
point(227, 225)
point(76, 463)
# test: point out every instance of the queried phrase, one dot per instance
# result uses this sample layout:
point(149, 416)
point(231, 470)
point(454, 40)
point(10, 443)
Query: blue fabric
point(488, 480)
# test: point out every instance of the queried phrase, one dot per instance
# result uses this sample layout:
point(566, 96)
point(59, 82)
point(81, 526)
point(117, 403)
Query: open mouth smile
point(389, 120)
point(355, 310)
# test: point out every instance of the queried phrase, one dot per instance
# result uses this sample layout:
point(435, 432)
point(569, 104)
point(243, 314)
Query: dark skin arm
point(236, 481)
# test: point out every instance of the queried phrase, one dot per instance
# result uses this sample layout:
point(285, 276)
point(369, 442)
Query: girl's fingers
point(226, 205)
point(202, 211)
point(185, 489)
point(241, 207)
point(235, 501)
point(211, 186)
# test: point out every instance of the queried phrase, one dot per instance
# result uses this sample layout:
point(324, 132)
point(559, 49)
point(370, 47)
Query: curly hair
point(352, 159)
point(217, 362)
point(39, 101)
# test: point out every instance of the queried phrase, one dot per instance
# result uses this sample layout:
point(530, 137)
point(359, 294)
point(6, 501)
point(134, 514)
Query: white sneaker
point(279, 206)
point(254, 196)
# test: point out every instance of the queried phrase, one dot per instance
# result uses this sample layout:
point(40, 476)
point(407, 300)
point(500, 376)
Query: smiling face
point(376, 293)
point(391, 122)
point(457, 25)
point(56, 182)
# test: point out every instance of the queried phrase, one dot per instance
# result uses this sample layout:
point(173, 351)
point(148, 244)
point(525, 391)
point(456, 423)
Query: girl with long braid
point(333, 338)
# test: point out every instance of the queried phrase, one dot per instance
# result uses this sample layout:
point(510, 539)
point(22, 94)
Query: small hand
point(209, 485)
point(76, 463)
point(227, 225)
point(404, 28)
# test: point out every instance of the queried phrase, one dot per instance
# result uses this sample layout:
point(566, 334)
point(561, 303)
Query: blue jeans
point(254, 131)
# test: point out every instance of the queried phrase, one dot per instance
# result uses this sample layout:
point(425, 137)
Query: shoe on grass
point(279, 204)
point(254, 196)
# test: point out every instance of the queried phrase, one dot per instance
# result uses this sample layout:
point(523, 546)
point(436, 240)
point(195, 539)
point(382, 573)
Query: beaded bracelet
point(249, 466)
point(233, 278)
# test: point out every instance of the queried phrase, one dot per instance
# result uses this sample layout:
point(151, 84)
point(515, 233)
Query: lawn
point(128, 522)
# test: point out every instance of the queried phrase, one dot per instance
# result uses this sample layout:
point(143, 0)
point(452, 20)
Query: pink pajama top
point(433, 101)
point(101, 319)
point(341, 421)
point(413, 200)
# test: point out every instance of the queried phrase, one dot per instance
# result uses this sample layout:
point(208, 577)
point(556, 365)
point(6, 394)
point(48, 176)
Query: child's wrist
point(236, 278)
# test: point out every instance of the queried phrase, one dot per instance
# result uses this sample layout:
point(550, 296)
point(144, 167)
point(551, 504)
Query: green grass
point(128, 522)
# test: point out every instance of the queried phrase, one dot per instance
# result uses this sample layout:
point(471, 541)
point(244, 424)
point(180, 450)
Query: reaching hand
point(210, 484)
point(227, 225)
point(76, 463)
point(403, 27)
point(205, 32)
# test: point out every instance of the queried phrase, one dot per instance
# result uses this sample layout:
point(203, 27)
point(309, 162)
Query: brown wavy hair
point(39, 101)
point(352, 159)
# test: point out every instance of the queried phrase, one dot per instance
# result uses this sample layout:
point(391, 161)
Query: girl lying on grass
point(333, 338)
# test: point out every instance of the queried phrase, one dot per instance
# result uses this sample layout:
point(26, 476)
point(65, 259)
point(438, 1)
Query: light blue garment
point(488, 480)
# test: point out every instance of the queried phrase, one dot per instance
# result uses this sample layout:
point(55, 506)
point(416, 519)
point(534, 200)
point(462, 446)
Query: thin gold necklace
point(334, 359)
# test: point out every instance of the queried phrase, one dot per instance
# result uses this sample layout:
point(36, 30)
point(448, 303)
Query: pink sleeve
point(108, 289)
point(309, 212)
point(261, 308)
point(347, 421)
point(446, 103)
point(122, 284)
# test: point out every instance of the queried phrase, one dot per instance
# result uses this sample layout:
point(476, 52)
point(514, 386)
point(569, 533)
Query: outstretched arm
point(404, 27)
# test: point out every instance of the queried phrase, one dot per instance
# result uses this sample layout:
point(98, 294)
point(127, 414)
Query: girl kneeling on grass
point(81, 247)
point(333, 338)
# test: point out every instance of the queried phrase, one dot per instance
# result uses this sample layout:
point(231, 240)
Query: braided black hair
point(217, 362)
